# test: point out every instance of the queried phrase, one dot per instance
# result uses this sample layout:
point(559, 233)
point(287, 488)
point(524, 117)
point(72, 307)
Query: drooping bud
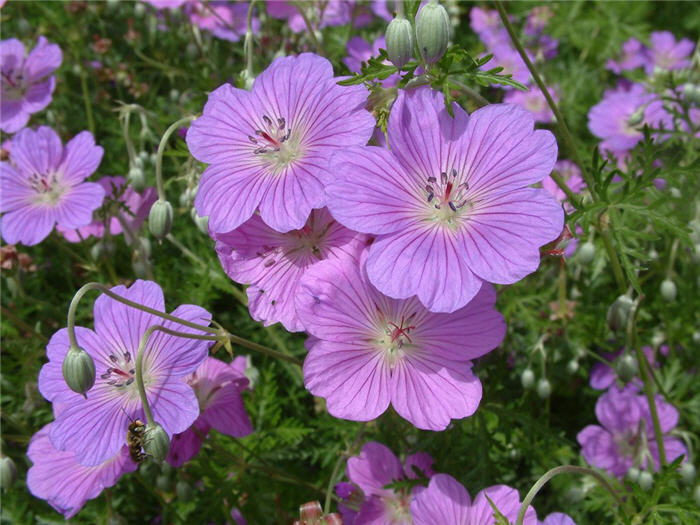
point(156, 443)
point(668, 290)
point(8, 472)
point(586, 252)
point(160, 219)
point(618, 313)
point(163, 482)
point(527, 379)
point(202, 223)
point(633, 474)
point(183, 490)
point(399, 41)
point(646, 480)
point(78, 370)
point(572, 366)
point(626, 368)
point(544, 388)
point(136, 178)
point(687, 471)
point(432, 31)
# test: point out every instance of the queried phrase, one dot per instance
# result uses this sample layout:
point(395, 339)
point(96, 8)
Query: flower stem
point(644, 368)
point(263, 349)
point(612, 255)
point(302, 11)
point(248, 42)
point(331, 482)
point(161, 148)
point(86, 100)
point(562, 469)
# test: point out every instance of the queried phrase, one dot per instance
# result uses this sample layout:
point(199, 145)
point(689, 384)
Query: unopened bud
point(143, 155)
point(201, 222)
point(626, 367)
point(163, 482)
point(636, 117)
point(687, 471)
point(139, 9)
point(646, 480)
point(544, 388)
point(668, 290)
point(174, 95)
point(136, 178)
point(8, 472)
point(183, 490)
point(572, 366)
point(399, 41)
point(633, 474)
point(310, 511)
point(78, 370)
point(191, 51)
point(432, 31)
point(586, 252)
point(618, 313)
point(527, 379)
point(156, 443)
point(653, 255)
point(160, 219)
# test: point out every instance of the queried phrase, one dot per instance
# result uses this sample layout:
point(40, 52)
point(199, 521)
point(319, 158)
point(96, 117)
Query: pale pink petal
point(375, 467)
point(81, 157)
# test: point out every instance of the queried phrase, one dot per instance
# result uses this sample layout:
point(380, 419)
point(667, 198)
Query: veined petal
point(14, 191)
point(445, 501)
point(375, 467)
point(174, 405)
point(77, 205)
point(28, 225)
point(36, 151)
point(226, 412)
point(81, 157)
point(506, 500)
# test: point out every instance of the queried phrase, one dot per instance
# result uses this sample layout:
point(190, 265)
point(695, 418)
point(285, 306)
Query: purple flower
point(558, 518)
point(537, 20)
point(487, 24)
point(505, 56)
point(137, 204)
point(359, 50)
point(371, 471)
point(603, 377)
point(626, 423)
point(329, 13)
point(270, 148)
point(447, 502)
point(166, 4)
point(571, 174)
point(383, 9)
point(222, 19)
point(450, 203)
point(614, 118)
point(65, 484)
point(368, 350)
point(103, 418)
point(634, 55)
point(665, 53)
point(26, 84)
point(274, 263)
point(42, 184)
point(533, 101)
point(218, 388)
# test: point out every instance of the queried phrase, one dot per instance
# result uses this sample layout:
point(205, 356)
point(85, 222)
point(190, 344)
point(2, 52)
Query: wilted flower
point(43, 184)
point(27, 82)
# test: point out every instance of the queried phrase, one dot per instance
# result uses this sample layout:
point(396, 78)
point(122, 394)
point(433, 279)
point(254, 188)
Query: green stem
point(86, 101)
point(562, 469)
point(248, 42)
point(672, 257)
point(309, 27)
point(161, 148)
point(644, 373)
point(331, 482)
point(612, 255)
point(263, 349)
point(127, 137)
point(400, 9)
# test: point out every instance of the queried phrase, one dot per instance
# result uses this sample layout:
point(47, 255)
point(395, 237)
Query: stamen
point(113, 358)
point(432, 179)
point(281, 122)
point(106, 374)
point(454, 172)
point(269, 263)
point(431, 196)
point(129, 381)
point(252, 139)
point(452, 206)
point(267, 120)
point(127, 356)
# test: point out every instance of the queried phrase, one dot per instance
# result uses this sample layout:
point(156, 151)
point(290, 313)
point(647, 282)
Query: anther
point(267, 120)
point(113, 358)
point(127, 356)
point(106, 374)
point(129, 381)
point(252, 139)
point(431, 196)
point(443, 177)
point(454, 172)
point(452, 206)
point(281, 123)
point(269, 263)
point(432, 179)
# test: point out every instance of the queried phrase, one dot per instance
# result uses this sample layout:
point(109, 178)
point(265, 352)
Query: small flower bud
point(138, 162)
point(527, 379)
point(160, 219)
point(636, 117)
point(646, 480)
point(572, 366)
point(78, 370)
point(143, 155)
point(399, 41)
point(619, 312)
point(191, 51)
point(201, 222)
point(687, 471)
point(626, 368)
point(136, 178)
point(696, 337)
point(23, 26)
point(668, 290)
point(653, 255)
point(633, 474)
point(156, 443)
point(432, 31)
point(174, 95)
point(139, 10)
point(163, 482)
point(183, 490)
point(544, 388)
point(586, 252)
point(8, 472)
point(310, 511)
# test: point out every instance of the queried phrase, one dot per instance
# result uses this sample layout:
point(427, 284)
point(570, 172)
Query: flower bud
point(633, 474)
point(544, 388)
point(163, 482)
point(310, 511)
point(696, 337)
point(668, 290)
point(586, 252)
point(139, 9)
point(202, 223)
point(527, 379)
point(626, 367)
point(144, 156)
point(160, 219)
point(156, 443)
point(572, 366)
point(78, 370)
point(687, 471)
point(432, 31)
point(399, 41)
point(636, 117)
point(8, 472)
point(136, 178)
point(653, 255)
point(191, 51)
point(183, 490)
point(646, 480)
point(174, 95)
point(619, 312)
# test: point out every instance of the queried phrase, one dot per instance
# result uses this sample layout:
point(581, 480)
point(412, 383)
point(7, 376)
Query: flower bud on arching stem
point(156, 443)
point(160, 219)
point(8, 472)
point(78, 370)
point(527, 379)
point(432, 31)
point(161, 147)
point(399, 41)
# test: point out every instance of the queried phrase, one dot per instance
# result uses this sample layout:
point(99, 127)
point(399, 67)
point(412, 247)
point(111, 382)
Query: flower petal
point(375, 467)
point(445, 501)
point(77, 205)
point(81, 157)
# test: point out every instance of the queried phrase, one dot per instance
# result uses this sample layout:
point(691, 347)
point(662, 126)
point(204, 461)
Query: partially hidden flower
point(634, 55)
point(42, 184)
point(603, 376)
point(270, 148)
point(359, 50)
point(320, 14)
point(668, 54)
point(27, 82)
point(103, 418)
point(273, 263)
point(367, 351)
point(136, 207)
point(487, 24)
point(225, 20)
point(533, 101)
point(558, 518)
point(218, 387)
point(571, 174)
point(450, 204)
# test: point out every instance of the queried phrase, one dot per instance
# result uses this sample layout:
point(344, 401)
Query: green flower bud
point(23, 26)
point(432, 31)
point(202, 223)
point(653, 254)
point(160, 219)
point(143, 155)
point(78, 370)
point(572, 366)
point(626, 368)
point(633, 474)
point(156, 443)
point(687, 471)
point(586, 252)
point(191, 51)
point(139, 10)
point(174, 95)
point(527, 379)
point(696, 337)
point(544, 388)
point(619, 312)
point(668, 290)
point(8, 472)
point(136, 178)
point(163, 483)
point(646, 480)
point(183, 490)
point(636, 118)
point(399, 41)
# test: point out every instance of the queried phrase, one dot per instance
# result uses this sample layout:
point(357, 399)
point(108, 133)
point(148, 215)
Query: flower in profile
point(450, 203)
point(269, 148)
point(320, 14)
point(43, 184)
point(273, 263)
point(626, 437)
point(218, 387)
point(447, 502)
point(668, 54)
point(634, 55)
point(132, 209)
point(368, 351)
point(27, 82)
point(533, 101)
point(370, 472)
point(65, 484)
point(103, 418)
